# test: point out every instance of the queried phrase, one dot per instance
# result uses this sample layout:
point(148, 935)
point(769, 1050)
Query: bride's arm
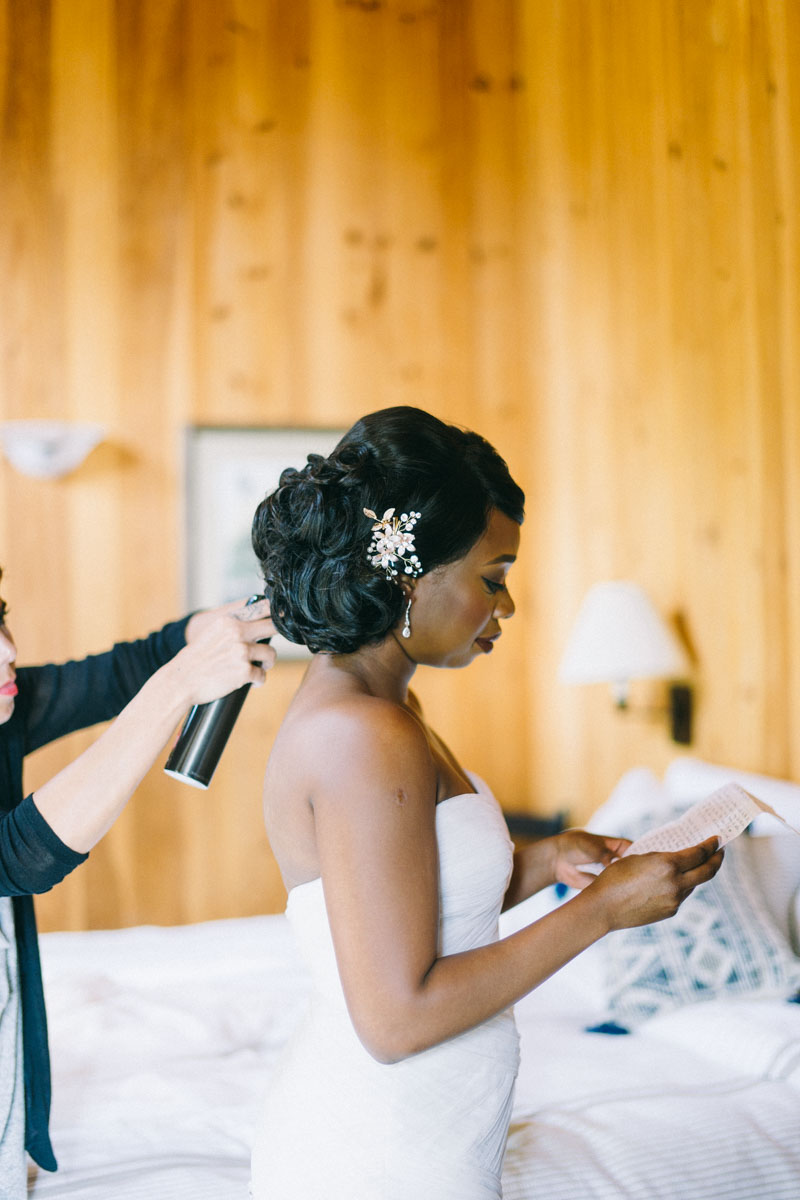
point(374, 810)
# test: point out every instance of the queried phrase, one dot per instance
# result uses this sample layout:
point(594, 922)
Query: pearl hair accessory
point(393, 543)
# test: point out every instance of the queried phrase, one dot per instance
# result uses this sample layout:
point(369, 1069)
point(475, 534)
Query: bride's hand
point(575, 847)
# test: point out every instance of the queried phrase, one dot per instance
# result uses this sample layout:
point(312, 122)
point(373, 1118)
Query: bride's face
point(8, 656)
point(456, 610)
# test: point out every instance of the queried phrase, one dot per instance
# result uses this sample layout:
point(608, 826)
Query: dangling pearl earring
point(407, 622)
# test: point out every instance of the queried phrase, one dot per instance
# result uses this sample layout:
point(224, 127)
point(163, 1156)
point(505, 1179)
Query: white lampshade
point(617, 636)
point(48, 449)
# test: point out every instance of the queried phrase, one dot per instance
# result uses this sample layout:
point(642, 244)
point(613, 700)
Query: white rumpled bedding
point(701, 1103)
point(162, 1041)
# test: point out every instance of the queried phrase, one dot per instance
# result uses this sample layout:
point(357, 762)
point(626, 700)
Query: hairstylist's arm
point(222, 653)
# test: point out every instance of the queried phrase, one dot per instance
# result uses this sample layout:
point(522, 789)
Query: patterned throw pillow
point(722, 941)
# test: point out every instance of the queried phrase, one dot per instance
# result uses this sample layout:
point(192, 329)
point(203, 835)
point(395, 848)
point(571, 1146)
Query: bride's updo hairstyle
point(312, 538)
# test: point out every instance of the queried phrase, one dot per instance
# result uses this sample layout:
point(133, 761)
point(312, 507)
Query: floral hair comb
point(393, 543)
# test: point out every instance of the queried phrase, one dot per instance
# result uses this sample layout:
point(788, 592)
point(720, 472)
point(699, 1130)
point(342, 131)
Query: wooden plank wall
point(570, 224)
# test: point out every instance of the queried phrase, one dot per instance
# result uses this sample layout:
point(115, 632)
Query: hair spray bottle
point(194, 757)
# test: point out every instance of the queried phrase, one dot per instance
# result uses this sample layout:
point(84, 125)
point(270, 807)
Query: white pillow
point(776, 862)
point(639, 795)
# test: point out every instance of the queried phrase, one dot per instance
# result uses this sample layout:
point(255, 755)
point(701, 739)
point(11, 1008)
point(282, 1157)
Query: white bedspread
point(702, 1104)
point(162, 1041)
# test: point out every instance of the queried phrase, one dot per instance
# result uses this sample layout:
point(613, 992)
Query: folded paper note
point(724, 814)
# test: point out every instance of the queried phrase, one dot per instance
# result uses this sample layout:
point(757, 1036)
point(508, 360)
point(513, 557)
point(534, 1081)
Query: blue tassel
point(607, 1027)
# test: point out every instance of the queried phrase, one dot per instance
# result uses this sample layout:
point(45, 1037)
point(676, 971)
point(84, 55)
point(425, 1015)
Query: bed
point(163, 1040)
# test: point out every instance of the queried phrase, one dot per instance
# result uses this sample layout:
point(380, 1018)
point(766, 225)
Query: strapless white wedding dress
point(338, 1125)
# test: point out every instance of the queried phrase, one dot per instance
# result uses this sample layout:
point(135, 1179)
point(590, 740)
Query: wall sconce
point(48, 449)
point(619, 636)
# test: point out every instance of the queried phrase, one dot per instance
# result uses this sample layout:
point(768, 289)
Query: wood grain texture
point(569, 224)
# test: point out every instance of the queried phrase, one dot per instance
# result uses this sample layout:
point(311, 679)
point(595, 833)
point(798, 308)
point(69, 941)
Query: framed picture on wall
point(228, 471)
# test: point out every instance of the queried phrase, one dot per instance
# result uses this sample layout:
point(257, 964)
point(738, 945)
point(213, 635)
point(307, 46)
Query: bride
point(394, 553)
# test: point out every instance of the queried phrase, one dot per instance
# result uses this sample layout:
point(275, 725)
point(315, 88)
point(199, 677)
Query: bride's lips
point(9, 689)
point(487, 643)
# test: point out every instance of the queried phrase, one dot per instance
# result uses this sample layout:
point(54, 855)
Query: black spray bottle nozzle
point(194, 757)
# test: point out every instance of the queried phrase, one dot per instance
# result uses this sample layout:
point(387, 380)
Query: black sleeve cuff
point(33, 857)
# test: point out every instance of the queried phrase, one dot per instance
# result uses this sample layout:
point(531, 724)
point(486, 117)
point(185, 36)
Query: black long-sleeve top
point(52, 701)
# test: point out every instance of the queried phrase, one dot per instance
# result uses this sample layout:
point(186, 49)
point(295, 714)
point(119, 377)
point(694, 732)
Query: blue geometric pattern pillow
point(722, 941)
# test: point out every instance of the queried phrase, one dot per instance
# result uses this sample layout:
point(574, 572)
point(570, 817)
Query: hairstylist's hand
point(643, 888)
point(224, 651)
point(200, 621)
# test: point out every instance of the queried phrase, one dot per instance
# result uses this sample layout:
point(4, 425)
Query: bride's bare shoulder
point(356, 714)
point(330, 727)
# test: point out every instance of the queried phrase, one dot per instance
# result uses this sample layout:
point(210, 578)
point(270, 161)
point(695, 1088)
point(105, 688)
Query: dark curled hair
point(311, 536)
